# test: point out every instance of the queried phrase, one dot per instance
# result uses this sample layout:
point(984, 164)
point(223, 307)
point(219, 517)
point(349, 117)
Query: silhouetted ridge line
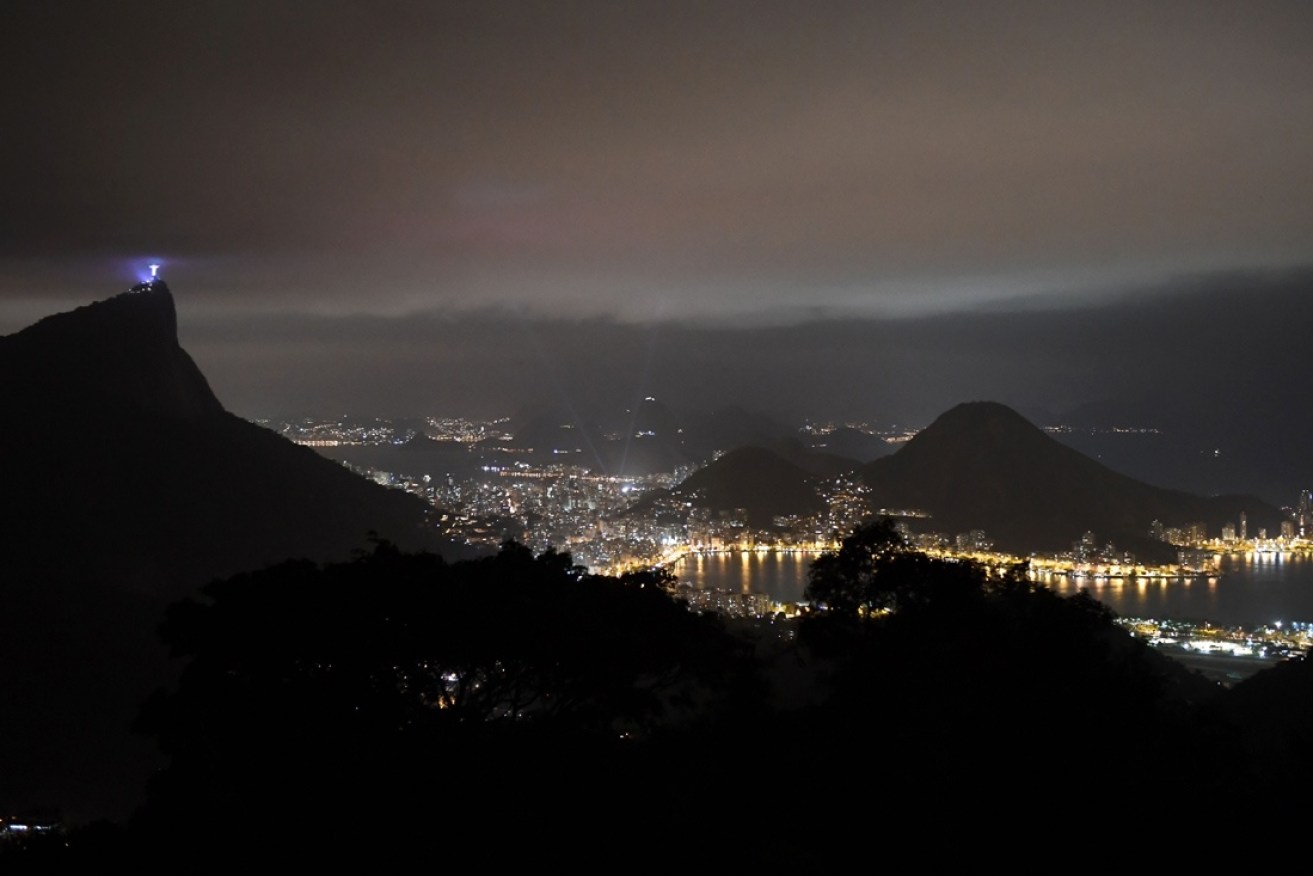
point(122, 352)
point(981, 465)
point(756, 480)
point(128, 486)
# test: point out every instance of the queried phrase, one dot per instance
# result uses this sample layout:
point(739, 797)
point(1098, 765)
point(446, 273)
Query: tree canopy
point(401, 688)
point(943, 667)
point(519, 704)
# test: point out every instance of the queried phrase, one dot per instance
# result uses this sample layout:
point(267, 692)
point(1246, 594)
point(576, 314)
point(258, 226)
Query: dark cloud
point(601, 158)
point(1206, 349)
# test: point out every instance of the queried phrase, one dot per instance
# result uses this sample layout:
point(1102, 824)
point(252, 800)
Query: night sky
point(855, 209)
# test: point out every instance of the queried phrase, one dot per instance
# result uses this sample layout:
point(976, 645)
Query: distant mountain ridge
point(650, 437)
point(981, 465)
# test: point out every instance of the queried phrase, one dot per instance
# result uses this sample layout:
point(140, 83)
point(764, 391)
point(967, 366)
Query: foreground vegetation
point(518, 708)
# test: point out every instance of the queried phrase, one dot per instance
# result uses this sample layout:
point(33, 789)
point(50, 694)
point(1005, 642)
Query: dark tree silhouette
point(397, 691)
point(875, 571)
point(951, 675)
point(400, 702)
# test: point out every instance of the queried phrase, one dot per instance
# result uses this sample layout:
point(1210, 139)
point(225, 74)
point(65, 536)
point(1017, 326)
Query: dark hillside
point(981, 465)
point(127, 486)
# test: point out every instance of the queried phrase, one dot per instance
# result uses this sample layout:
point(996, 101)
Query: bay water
point(1250, 590)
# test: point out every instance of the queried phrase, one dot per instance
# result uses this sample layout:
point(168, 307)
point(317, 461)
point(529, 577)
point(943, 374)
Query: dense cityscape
point(600, 520)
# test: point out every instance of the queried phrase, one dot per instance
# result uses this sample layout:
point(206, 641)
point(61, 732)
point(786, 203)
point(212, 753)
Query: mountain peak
point(127, 487)
point(986, 417)
point(145, 309)
point(981, 465)
point(118, 353)
point(976, 428)
point(757, 480)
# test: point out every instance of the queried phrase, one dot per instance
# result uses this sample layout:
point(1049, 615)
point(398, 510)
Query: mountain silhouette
point(120, 354)
point(756, 480)
point(127, 487)
point(817, 463)
point(981, 465)
point(131, 469)
point(644, 439)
